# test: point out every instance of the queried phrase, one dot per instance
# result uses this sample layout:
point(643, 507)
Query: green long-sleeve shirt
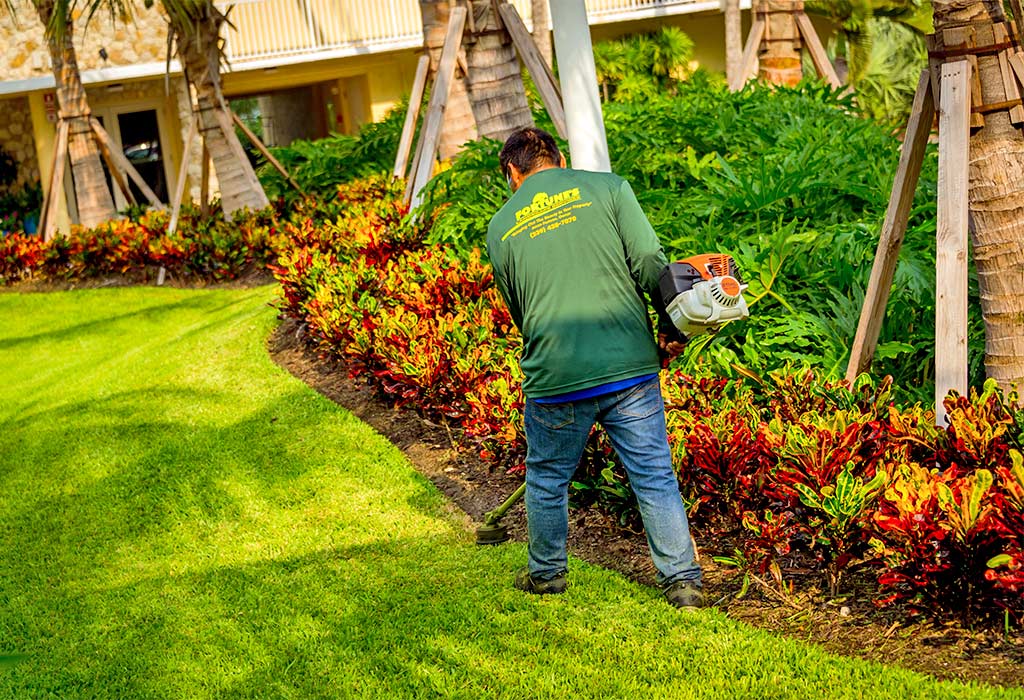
point(573, 256)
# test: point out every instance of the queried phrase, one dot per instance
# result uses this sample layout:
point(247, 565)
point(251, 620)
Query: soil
point(850, 626)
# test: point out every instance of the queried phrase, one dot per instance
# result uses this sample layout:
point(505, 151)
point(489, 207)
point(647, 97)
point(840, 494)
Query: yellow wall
point(45, 135)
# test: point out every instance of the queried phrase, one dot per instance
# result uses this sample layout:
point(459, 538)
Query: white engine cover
point(706, 306)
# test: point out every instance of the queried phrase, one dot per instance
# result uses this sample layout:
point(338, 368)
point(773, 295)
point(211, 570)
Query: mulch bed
point(850, 626)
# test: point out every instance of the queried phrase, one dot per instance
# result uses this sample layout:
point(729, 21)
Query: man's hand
point(672, 347)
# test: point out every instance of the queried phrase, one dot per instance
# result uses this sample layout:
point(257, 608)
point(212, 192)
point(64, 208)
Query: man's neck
point(540, 170)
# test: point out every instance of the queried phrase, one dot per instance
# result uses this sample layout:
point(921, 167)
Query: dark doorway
point(140, 140)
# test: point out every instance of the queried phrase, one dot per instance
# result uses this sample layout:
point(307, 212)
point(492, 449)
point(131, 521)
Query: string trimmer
point(700, 293)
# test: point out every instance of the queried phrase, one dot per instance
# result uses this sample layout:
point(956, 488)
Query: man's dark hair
point(529, 149)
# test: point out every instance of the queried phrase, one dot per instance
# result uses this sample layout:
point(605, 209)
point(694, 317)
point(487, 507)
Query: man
point(573, 255)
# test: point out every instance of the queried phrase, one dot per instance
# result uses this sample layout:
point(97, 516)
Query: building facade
point(300, 69)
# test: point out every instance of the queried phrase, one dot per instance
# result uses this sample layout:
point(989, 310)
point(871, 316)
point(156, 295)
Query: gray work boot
point(685, 594)
point(525, 582)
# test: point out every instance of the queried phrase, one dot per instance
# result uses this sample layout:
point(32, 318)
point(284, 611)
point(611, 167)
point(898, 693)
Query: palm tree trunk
point(92, 192)
point(459, 124)
point(495, 83)
point(733, 40)
point(541, 34)
point(996, 195)
point(780, 60)
point(197, 34)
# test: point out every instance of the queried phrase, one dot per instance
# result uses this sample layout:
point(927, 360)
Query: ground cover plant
point(203, 247)
point(179, 518)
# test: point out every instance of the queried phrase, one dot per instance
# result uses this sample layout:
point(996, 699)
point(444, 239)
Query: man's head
point(526, 152)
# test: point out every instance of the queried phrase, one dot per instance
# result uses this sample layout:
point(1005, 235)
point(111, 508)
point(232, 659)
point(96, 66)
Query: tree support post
point(952, 83)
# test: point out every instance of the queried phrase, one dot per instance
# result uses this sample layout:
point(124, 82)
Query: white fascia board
point(272, 61)
point(95, 76)
point(683, 8)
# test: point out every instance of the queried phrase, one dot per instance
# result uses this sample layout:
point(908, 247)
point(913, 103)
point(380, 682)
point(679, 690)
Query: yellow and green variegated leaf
point(808, 496)
point(982, 483)
point(945, 496)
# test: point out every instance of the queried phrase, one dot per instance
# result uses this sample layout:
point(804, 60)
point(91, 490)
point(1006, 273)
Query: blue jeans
point(634, 419)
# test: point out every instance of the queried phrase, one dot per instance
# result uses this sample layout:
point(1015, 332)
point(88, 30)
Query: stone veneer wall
point(23, 53)
point(16, 138)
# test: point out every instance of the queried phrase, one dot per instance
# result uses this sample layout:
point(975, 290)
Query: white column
point(588, 145)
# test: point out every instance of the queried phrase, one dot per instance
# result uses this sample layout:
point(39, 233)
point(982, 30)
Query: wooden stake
point(204, 187)
point(48, 225)
point(431, 135)
point(536, 65)
point(255, 141)
point(227, 127)
point(821, 63)
point(749, 61)
point(179, 187)
point(419, 83)
point(951, 234)
point(417, 154)
point(117, 175)
point(893, 228)
point(123, 163)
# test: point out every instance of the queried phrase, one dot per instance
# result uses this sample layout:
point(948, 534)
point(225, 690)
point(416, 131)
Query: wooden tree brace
point(748, 62)
point(536, 65)
point(261, 147)
point(430, 133)
point(946, 46)
point(894, 228)
point(951, 235)
point(412, 114)
point(123, 163)
point(48, 219)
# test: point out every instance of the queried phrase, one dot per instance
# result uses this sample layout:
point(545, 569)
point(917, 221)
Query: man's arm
point(644, 255)
point(502, 281)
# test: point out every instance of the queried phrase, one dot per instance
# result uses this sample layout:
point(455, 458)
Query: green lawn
point(179, 518)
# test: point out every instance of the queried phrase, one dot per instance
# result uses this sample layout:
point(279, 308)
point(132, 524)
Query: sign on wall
point(50, 104)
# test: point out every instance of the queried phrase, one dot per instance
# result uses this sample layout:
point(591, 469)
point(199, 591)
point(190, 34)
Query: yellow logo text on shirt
point(542, 204)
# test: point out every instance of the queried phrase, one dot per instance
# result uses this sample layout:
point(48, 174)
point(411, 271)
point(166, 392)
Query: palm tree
point(195, 28)
point(459, 124)
point(540, 17)
point(490, 101)
point(496, 90)
point(92, 191)
point(996, 191)
point(860, 22)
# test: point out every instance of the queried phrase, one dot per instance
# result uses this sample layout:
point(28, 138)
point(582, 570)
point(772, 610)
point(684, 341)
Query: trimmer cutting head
point(492, 534)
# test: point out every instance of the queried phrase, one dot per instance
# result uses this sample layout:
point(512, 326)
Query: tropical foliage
point(790, 182)
point(796, 470)
point(639, 66)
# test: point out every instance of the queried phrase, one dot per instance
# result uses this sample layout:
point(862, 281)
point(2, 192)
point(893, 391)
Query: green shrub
point(320, 166)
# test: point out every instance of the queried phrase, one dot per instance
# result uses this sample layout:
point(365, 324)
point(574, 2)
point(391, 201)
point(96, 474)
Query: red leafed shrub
point(21, 256)
point(790, 467)
point(204, 246)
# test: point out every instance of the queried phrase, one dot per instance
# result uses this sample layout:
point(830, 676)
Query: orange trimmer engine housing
point(702, 292)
